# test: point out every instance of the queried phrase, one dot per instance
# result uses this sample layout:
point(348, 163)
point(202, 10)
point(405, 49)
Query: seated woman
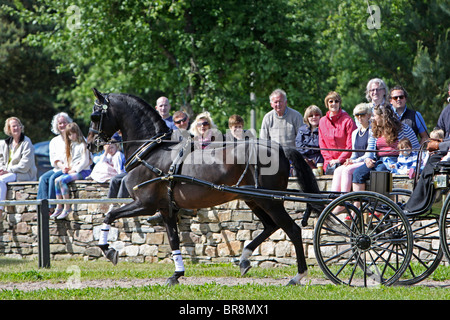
point(342, 177)
point(204, 131)
point(387, 131)
point(17, 161)
point(335, 132)
point(308, 136)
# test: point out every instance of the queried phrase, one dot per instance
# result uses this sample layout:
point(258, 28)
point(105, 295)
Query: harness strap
point(144, 150)
point(175, 168)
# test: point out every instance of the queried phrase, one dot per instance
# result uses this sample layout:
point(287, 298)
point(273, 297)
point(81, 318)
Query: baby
point(406, 160)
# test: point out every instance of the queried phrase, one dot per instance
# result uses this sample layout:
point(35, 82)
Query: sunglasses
point(204, 123)
point(398, 98)
point(360, 114)
point(181, 120)
point(335, 101)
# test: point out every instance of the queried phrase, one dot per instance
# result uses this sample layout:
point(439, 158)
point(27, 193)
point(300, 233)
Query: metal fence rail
point(43, 218)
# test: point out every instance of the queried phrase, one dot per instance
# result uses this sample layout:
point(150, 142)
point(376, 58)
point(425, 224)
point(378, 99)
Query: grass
point(18, 271)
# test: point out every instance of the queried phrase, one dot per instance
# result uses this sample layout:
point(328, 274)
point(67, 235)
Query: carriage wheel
point(427, 251)
point(367, 242)
point(444, 226)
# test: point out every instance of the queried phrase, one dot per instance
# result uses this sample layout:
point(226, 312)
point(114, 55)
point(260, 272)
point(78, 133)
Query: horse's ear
point(98, 95)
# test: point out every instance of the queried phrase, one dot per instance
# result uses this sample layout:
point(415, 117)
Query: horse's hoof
point(244, 265)
point(292, 283)
point(172, 281)
point(112, 255)
point(296, 280)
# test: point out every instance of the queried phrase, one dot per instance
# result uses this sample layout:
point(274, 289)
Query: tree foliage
point(211, 54)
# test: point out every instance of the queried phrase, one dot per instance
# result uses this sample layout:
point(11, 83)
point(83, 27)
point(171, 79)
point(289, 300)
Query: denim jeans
point(46, 189)
point(362, 173)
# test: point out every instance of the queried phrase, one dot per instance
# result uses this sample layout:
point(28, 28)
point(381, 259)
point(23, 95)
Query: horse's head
point(103, 126)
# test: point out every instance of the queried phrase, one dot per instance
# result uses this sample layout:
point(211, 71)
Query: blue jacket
point(306, 139)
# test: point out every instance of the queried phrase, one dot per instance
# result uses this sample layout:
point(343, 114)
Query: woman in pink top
point(335, 132)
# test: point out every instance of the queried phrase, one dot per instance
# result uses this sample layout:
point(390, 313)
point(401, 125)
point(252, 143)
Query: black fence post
point(43, 234)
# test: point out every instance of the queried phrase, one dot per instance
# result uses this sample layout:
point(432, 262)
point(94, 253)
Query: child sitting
point(406, 160)
point(110, 163)
point(78, 162)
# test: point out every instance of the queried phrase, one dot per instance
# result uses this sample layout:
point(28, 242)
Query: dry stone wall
point(209, 235)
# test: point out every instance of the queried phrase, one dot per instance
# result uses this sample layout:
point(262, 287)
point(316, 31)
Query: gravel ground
point(228, 281)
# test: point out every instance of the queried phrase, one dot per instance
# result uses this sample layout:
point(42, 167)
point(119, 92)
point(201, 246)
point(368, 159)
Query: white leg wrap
point(178, 260)
point(104, 231)
point(246, 253)
point(299, 276)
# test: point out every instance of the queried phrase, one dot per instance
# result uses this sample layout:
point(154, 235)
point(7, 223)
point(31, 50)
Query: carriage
point(361, 238)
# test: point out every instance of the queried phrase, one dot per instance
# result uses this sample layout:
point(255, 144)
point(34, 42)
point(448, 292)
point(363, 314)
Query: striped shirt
point(405, 132)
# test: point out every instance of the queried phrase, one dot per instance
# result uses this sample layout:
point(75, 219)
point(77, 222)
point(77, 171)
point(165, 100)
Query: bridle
point(98, 114)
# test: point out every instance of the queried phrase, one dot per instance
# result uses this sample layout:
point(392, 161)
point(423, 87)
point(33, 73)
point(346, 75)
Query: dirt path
point(125, 283)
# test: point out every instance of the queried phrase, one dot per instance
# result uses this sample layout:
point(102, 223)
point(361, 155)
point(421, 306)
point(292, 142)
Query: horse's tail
point(304, 174)
point(305, 178)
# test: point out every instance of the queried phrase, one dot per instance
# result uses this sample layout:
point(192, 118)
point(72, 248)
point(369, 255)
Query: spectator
point(342, 177)
point(117, 188)
point(17, 161)
point(444, 118)
point(335, 132)
point(236, 129)
point(181, 120)
point(163, 107)
point(387, 130)
point(423, 191)
point(57, 147)
point(308, 136)
point(406, 160)
point(414, 119)
point(77, 167)
point(377, 92)
point(110, 164)
point(436, 134)
point(204, 130)
point(282, 123)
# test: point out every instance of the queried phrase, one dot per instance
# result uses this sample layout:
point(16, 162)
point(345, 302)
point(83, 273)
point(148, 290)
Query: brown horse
point(256, 163)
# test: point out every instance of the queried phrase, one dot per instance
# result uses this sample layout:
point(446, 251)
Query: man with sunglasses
point(181, 121)
point(412, 118)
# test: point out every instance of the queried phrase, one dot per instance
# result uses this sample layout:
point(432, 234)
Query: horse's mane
point(143, 110)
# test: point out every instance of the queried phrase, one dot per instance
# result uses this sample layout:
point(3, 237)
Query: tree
point(408, 47)
point(204, 54)
point(28, 81)
point(210, 54)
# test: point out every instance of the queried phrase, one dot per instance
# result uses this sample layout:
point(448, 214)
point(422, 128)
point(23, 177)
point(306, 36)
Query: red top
point(336, 133)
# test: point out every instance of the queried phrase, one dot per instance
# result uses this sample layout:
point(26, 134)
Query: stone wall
point(210, 235)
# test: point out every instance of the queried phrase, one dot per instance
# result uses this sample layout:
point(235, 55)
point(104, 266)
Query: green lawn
point(61, 271)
